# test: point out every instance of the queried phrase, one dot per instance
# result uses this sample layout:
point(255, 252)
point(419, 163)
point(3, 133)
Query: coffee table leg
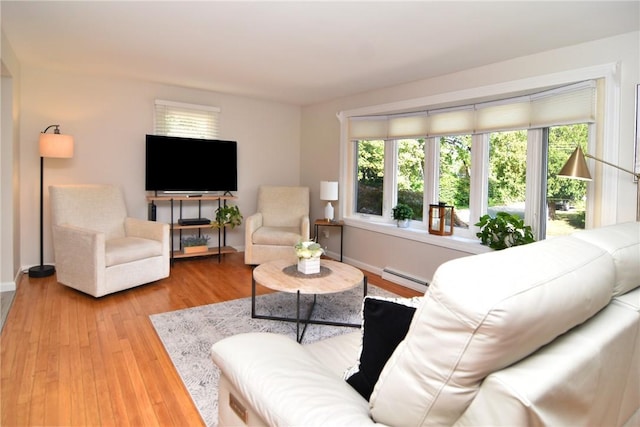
point(298, 337)
point(364, 280)
point(253, 297)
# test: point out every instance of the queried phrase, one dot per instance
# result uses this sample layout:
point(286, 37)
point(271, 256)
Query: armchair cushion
point(282, 236)
point(127, 249)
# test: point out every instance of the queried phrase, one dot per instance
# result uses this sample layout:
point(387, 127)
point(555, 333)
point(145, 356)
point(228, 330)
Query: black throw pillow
point(385, 324)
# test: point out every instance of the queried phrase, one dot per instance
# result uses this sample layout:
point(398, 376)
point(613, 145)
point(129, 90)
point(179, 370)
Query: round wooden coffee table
point(282, 276)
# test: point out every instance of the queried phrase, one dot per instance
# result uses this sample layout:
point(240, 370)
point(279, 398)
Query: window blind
point(186, 120)
point(575, 103)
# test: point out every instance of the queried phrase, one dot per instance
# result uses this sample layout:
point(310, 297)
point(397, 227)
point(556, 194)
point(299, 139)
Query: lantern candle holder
point(441, 219)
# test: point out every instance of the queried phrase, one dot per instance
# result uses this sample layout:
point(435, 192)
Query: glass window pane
point(411, 175)
point(454, 185)
point(566, 198)
point(370, 172)
point(507, 172)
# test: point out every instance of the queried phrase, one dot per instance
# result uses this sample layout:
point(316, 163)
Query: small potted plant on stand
point(227, 215)
point(402, 214)
point(503, 231)
point(195, 244)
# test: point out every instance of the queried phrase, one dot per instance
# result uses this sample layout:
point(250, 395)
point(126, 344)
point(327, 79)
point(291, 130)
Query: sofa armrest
point(285, 385)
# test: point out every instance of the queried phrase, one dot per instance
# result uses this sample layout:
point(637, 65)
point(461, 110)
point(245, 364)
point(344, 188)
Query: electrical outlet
point(325, 233)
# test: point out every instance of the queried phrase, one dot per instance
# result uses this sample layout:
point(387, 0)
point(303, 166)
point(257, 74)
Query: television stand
point(181, 225)
point(194, 221)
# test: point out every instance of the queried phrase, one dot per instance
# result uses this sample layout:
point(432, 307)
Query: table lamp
point(328, 192)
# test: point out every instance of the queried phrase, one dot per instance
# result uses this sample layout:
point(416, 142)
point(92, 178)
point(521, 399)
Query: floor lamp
point(576, 168)
point(51, 145)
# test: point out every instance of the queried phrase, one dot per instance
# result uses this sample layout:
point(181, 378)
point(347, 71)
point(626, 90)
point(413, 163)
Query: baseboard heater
point(404, 279)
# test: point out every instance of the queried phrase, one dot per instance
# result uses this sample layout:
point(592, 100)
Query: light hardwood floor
point(67, 358)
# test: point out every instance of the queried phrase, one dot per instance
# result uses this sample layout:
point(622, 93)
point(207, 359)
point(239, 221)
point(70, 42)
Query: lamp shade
point(56, 145)
point(328, 190)
point(576, 166)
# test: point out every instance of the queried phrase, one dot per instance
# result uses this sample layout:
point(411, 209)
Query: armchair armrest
point(285, 385)
point(80, 257)
point(305, 228)
point(151, 230)
point(251, 224)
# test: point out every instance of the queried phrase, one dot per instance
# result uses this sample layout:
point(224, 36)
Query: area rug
point(188, 334)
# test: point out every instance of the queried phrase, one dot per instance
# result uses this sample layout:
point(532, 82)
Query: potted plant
point(308, 254)
point(503, 231)
point(402, 214)
point(227, 215)
point(195, 244)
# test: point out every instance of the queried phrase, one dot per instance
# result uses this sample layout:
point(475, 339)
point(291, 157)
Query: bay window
point(481, 158)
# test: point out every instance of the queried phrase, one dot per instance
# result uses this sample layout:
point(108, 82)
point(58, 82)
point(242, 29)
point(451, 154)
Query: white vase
point(309, 265)
point(403, 223)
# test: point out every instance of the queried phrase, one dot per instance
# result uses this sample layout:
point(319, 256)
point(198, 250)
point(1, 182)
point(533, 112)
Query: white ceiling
point(300, 52)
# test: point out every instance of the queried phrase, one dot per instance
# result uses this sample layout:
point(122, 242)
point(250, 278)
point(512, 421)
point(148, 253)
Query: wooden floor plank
point(67, 358)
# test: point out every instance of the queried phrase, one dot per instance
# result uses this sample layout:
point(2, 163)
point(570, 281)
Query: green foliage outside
point(507, 172)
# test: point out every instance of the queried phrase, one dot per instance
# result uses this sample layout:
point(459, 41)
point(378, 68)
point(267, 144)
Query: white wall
point(109, 118)
point(9, 169)
point(321, 140)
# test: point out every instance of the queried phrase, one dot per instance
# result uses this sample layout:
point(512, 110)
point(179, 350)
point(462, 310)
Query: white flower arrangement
point(307, 250)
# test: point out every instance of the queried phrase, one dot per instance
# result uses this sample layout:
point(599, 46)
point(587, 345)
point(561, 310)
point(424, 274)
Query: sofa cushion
point(483, 313)
point(622, 241)
point(385, 322)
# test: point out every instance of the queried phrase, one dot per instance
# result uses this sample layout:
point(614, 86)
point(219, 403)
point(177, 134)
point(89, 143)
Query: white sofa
point(542, 334)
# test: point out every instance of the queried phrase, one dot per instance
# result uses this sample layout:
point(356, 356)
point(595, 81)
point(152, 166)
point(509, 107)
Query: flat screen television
point(175, 164)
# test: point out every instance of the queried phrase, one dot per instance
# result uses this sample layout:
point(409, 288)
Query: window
point(370, 173)
point(507, 172)
point(454, 173)
point(186, 120)
point(566, 198)
point(480, 158)
point(410, 175)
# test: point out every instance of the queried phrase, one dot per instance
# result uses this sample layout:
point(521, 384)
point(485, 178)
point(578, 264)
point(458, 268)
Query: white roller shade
point(502, 116)
point(186, 120)
point(368, 127)
point(452, 122)
point(409, 126)
point(575, 103)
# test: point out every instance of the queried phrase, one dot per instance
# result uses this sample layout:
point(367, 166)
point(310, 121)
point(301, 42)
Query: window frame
point(601, 192)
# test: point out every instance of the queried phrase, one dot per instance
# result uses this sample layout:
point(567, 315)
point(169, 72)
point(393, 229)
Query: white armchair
point(281, 221)
point(98, 249)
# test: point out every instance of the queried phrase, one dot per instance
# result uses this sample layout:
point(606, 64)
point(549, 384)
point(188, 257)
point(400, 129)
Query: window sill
point(462, 244)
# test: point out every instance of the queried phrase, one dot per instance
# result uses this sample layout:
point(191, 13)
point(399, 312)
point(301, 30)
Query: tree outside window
point(507, 172)
point(410, 175)
point(370, 175)
point(566, 198)
point(455, 176)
